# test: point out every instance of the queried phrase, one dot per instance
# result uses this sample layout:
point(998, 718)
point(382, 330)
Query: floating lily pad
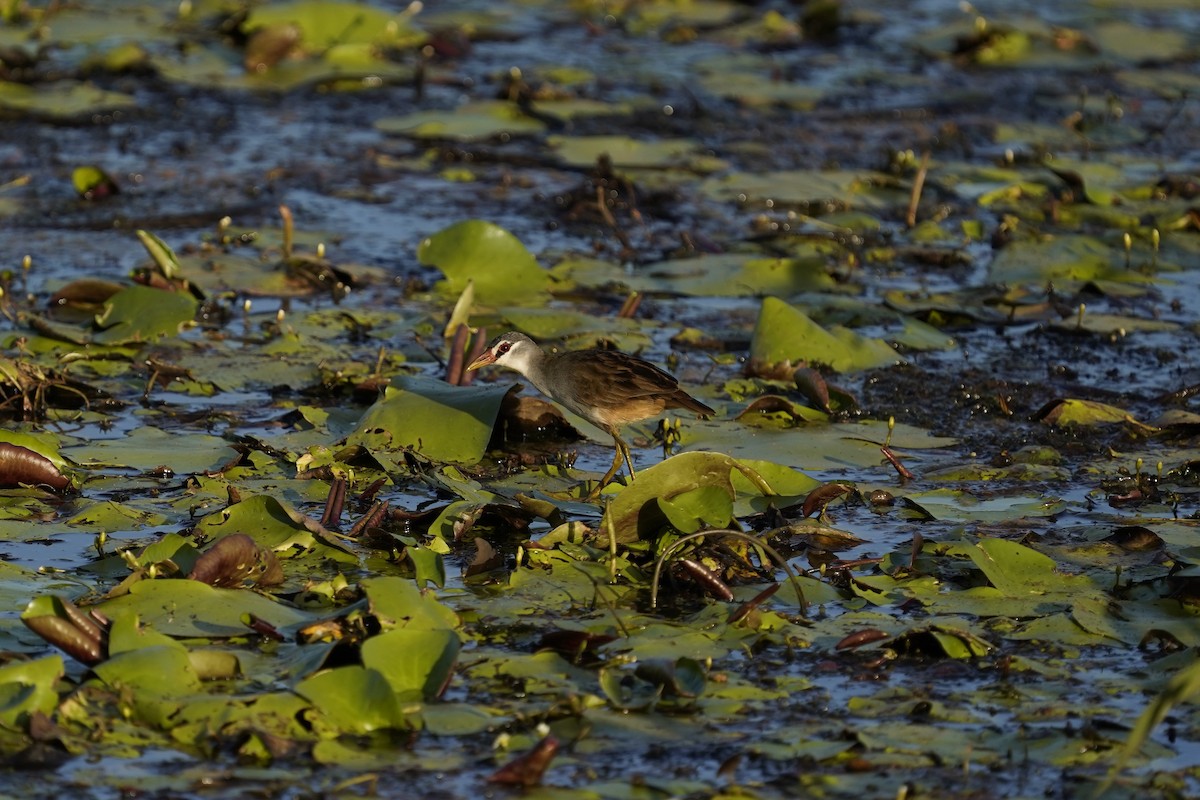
point(625, 152)
point(148, 448)
point(216, 65)
point(786, 335)
point(636, 511)
point(416, 663)
point(753, 80)
point(1137, 43)
point(482, 119)
point(435, 419)
point(326, 23)
point(353, 699)
point(141, 314)
point(815, 191)
point(183, 608)
point(1073, 411)
point(27, 687)
point(485, 255)
point(64, 100)
point(1076, 258)
point(724, 275)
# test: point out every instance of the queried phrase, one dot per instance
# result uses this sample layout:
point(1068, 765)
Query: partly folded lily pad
point(417, 664)
point(1074, 411)
point(814, 190)
point(189, 609)
point(28, 687)
point(625, 152)
point(482, 119)
point(501, 269)
point(786, 335)
point(141, 314)
point(327, 23)
point(353, 699)
point(439, 421)
point(690, 486)
point(66, 100)
point(274, 526)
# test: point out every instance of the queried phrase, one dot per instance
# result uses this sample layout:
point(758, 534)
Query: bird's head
point(513, 350)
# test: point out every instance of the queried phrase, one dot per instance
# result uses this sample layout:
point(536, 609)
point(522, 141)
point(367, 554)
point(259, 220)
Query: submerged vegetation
point(933, 268)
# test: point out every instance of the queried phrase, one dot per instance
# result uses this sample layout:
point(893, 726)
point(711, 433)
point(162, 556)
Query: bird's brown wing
point(648, 381)
point(623, 387)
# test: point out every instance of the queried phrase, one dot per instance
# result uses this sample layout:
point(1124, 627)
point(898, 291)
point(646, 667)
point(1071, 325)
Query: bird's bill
point(488, 357)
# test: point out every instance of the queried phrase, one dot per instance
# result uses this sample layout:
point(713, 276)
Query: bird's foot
point(599, 486)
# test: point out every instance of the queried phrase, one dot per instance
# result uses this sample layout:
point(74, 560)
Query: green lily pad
point(398, 604)
point(1135, 43)
point(1017, 570)
point(481, 119)
point(625, 152)
point(326, 23)
point(814, 190)
point(748, 79)
point(481, 253)
point(1068, 257)
point(416, 663)
point(353, 699)
point(706, 506)
point(440, 421)
point(148, 448)
point(110, 516)
point(273, 525)
point(1073, 411)
point(142, 314)
point(722, 275)
point(66, 100)
point(191, 609)
point(786, 335)
point(27, 687)
point(636, 511)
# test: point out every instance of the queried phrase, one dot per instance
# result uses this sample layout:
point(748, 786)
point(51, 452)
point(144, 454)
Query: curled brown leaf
point(528, 768)
point(20, 466)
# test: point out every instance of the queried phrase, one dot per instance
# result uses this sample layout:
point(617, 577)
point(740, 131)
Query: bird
point(608, 388)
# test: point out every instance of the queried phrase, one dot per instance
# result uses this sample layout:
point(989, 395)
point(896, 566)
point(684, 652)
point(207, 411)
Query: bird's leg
point(623, 449)
point(622, 452)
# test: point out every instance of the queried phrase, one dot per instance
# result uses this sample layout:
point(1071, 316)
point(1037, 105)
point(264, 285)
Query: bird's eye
point(504, 348)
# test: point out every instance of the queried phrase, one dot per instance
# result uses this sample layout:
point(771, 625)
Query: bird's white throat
point(526, 358)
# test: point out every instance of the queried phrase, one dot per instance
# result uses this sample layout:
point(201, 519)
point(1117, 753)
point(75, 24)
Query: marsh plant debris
point(934, 267)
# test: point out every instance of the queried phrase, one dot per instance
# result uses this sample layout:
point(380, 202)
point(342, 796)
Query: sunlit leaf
point(353, 699)
point(274, 526)
point(93, 183)
point(636, 511)
point(688, 511)
point(27, 687)
point(502, 269)
point(1017, 570)
point(416, 663)
point(813, 190)
point(65, 100)
point(481, 119)
point(785, 334)
point(141, 314)
point(398, 603)
point(623, 150)
point(1074, 411)
point(183, 608)
point(147, 448)
point(324, 23)
point(439, 421)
